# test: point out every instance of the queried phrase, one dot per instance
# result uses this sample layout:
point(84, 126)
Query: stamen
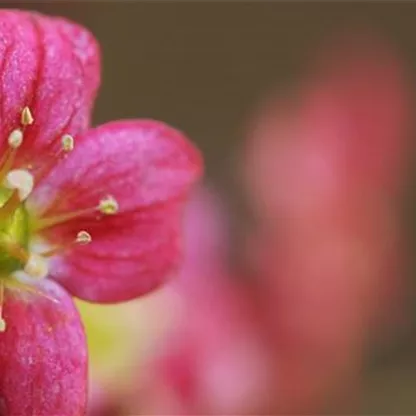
point(43, 166)
point(83, 238)
point(7, 162)
point(43, 223)
point(2, 321)
point(68, 143)
point(36, 266)
point(10, 152)
point(21, 180)
point(26, 117)
point(15, 138)
point(108, 206)
point(10, 206)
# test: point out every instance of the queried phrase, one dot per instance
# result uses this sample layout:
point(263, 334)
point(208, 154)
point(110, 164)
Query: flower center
point(17, 227)
point(14, 230)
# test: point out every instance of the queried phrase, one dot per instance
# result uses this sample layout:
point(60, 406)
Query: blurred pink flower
point(214, 360)
point(325, 172)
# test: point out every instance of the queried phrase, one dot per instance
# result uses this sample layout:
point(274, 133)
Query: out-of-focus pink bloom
point(206, 240)
point(345, 131)
point(214, 360)
point(95, 210)
point(325, 172)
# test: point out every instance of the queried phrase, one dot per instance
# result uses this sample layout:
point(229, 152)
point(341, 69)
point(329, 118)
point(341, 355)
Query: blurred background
point(239, 333)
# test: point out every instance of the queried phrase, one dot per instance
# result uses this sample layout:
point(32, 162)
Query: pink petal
point(127, 257)
point(214, 359)
point(206, 239)
point(364, 87)
point(148, 168)
point(43, 359)
point(348, 131)
point(326, 172)
point(52, 66)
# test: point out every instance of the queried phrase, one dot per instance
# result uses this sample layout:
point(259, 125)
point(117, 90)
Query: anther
point(36, 266)
point(108, 206)
point(67, 142)
point(21, 180)
point(15, 138)
point(26, 117)
point(83, 237)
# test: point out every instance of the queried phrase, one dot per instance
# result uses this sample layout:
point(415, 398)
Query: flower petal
point(149, 168)
point(50, 65)
point(363, 85)
point(43, 360)
point(346, 131)
point(126, 259)
point(139, 162)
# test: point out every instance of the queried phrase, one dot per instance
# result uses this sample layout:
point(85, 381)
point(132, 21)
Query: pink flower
point(214, 360)
point(96, 211)
point(325, 174)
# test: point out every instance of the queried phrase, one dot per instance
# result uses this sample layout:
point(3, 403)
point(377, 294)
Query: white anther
point(67, 142)
point(21, 180)
point(108, 205)
point(15, 138)
point(26, 118)
point(83, 237)
point(2, 325)
point(36, 266)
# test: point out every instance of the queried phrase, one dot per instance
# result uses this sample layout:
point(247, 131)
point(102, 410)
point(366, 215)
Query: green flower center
point(14, 230)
